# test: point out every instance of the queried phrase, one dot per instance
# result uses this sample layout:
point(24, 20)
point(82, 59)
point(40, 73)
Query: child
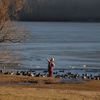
point(51, 65)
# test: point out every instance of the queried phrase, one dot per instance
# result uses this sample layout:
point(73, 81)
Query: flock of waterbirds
point(61, 73)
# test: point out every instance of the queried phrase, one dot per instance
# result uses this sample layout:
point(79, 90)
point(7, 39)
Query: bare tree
point(9, 10)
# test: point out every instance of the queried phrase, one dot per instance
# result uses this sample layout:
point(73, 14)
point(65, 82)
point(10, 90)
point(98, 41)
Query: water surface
point(72, 44)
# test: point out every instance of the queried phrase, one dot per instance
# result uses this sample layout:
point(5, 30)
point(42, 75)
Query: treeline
point(52, 10)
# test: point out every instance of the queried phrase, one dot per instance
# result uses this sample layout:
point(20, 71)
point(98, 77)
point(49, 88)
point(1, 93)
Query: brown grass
point(9, 93)
point(93, 85)
point(47, 89)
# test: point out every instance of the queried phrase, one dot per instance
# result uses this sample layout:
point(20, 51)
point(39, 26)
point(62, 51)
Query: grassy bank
point(46, 89)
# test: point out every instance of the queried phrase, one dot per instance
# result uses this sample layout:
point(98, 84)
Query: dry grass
point(48, 89)
point(20, 93)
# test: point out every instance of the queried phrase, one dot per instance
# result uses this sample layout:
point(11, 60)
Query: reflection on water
point(70, 43)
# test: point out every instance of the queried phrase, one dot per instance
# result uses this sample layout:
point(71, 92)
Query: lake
point(71, 44)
